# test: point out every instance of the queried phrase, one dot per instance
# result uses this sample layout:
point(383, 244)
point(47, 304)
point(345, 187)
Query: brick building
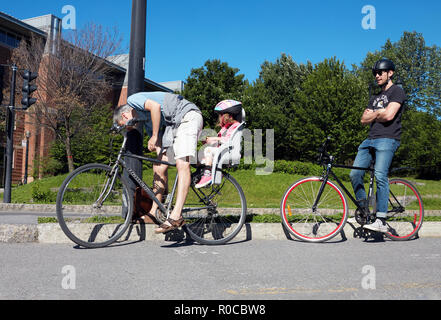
point(12, 32)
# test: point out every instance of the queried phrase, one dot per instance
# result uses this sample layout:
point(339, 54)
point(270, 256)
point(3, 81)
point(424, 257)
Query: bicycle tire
point(302, 222)
point(224, 219)
point(82, 221)
point(405, 210)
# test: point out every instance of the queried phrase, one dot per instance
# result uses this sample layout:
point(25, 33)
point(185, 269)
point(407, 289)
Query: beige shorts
point(186, 137)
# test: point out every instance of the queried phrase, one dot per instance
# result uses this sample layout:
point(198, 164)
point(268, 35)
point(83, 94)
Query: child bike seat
point(229, 153)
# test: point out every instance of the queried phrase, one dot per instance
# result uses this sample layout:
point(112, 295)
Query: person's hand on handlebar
point(151, 145)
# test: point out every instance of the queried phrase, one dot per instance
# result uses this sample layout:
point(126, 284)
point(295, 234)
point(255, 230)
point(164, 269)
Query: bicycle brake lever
point(115, 128)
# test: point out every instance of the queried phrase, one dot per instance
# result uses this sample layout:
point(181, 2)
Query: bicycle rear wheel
point(310, 225)
point(222, 214)
point(92, 207)
point(405, 210)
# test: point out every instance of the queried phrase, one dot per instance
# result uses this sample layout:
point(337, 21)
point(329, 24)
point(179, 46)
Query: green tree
point(271, 100)
point(330, 103)
point(421, 144)
point(283, 79)
point(208, 85)
point(93, 144)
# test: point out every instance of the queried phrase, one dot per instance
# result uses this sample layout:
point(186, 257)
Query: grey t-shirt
point(390, 129)
point(173, 109)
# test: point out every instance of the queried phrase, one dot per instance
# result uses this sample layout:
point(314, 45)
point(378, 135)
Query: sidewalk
point(18, 224)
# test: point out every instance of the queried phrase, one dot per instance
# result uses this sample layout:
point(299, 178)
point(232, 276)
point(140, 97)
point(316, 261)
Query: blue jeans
point(384, 151)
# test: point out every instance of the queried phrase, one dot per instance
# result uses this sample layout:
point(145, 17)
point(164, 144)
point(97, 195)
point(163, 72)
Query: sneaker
point(205, 180)
point(377, 226)
point(352, 220)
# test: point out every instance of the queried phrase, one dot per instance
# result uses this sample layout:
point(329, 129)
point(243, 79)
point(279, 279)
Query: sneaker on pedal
point(352, 220)
point(205, 181)
point(377, 225)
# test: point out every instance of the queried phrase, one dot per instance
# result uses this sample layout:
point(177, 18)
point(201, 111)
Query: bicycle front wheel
point(308, 224)
point(215, 214)
point(92, 206)
point(405, 210)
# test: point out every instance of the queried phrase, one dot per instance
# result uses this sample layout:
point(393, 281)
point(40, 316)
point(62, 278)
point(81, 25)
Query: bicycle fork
point(108, 186)
point(320, 192)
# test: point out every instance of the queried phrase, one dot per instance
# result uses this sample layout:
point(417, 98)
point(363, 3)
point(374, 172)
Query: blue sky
point(182, 35)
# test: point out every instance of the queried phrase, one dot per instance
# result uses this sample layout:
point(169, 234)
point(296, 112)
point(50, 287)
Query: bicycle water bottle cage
point(229, 153)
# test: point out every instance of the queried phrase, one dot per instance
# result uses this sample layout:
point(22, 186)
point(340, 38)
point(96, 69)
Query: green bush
point(300, 168)
point(41, 194)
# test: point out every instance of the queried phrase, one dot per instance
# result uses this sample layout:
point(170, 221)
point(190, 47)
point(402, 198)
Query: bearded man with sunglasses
point(383, 114)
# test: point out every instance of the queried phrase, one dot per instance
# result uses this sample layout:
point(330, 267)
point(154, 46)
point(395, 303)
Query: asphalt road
point(252, 270)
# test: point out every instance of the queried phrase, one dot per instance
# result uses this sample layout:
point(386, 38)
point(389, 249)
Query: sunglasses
point(379, 72)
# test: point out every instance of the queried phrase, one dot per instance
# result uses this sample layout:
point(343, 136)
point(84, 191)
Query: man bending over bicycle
point(172, 122)
point(383, 114)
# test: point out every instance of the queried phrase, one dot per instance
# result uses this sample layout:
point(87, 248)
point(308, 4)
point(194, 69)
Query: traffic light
point(2, 72)
point(28, 88)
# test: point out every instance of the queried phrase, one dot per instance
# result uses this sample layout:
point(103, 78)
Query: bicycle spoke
point(307, 224)
point(405, 212)
point(92, 207)
point(222, 214)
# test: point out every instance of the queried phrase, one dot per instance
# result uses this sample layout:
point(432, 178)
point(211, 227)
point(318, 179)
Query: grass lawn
point(260, 191)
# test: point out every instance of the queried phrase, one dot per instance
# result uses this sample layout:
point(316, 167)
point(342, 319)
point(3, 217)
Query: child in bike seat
point(228, 111)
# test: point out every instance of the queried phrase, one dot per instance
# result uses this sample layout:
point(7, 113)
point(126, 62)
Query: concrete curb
point(20, 207)
point(18, 233)
point(51, 233)
point(51, 208)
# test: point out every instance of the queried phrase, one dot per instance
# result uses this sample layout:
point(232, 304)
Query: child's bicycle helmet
point(229, 106)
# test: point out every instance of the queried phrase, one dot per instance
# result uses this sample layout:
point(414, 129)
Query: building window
point(10, 39)
point(2, 36)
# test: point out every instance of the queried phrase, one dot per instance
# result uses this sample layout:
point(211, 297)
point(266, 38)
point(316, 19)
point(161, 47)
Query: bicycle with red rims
point(315, 209)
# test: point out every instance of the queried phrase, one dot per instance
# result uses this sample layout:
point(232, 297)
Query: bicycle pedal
point(374, 235)
point(359, 232)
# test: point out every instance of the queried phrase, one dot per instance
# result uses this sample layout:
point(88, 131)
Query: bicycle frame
point(166, 210)
point(329, 171)
point(119, 161)
point(396, 209)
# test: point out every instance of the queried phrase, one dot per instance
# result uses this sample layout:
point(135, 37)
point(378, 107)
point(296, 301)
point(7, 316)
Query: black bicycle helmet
point(383, 64)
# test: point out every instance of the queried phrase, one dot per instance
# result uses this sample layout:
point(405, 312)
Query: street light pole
point(137, 47)
point(136, 75)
